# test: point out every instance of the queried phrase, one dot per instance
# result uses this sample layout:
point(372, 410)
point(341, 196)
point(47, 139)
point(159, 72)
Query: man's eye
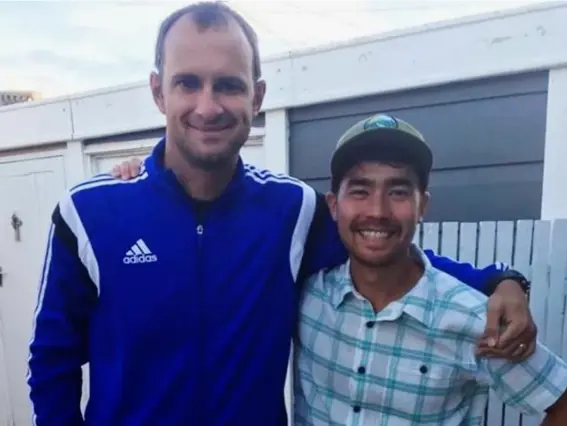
point(400, 192)
point(189, 83)
point(228, 87)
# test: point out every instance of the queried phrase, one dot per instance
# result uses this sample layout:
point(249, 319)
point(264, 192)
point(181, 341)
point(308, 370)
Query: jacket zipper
point(201, 322)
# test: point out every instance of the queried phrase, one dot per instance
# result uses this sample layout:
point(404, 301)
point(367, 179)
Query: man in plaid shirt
point(387, 339)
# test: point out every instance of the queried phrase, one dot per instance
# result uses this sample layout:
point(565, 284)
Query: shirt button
point(361, 370)
point(356, 409)
point(370, 324)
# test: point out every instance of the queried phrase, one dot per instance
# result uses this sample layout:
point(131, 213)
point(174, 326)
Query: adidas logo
point(139, 253)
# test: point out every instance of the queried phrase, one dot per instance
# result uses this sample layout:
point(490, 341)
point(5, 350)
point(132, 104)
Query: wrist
point(507, 279)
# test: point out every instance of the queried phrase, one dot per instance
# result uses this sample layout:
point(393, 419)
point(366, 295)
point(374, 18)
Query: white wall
point(485, 45)
point(554, 191)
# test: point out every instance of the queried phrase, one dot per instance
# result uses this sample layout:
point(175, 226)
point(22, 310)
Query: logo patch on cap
point(381, 120)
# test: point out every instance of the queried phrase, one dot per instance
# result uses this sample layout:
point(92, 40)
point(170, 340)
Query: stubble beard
point(211, 162)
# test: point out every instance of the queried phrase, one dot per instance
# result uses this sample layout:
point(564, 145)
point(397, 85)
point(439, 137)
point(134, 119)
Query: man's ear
point(331, 199)
point(157, 90)
point(423, 204)
point(259, 93)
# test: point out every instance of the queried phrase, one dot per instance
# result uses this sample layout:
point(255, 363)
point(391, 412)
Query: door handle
point(1, 276)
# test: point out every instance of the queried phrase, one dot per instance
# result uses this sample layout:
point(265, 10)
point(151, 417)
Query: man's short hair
point(207, 15)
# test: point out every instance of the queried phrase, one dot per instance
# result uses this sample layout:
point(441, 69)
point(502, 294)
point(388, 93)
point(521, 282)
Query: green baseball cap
point(383, 138)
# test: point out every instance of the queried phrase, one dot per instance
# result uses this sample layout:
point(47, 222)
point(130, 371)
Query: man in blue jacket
point(179, 286)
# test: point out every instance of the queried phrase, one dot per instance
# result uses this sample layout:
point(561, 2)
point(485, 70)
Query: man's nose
point(207, 106)
point(378, 206)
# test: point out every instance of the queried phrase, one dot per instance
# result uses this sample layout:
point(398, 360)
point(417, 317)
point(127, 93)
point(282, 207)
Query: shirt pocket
point(420, 390)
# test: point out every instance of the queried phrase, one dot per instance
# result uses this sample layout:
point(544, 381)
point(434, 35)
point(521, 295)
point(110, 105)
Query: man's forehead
point(379, 171)
point(227, 36)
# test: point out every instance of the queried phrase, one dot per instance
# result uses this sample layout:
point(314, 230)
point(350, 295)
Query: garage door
point(487, 137)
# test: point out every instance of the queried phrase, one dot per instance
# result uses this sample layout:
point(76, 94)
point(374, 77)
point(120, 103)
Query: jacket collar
point(154, 165)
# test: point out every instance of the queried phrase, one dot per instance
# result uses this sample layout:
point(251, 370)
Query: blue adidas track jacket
point(183, 322)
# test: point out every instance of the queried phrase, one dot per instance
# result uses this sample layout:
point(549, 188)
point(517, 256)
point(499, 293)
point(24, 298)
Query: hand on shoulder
point(128, 169)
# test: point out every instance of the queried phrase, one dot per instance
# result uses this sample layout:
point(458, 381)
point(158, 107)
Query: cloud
point(60, 47)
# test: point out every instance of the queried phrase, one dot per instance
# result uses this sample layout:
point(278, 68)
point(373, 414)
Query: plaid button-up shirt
point(412, 363)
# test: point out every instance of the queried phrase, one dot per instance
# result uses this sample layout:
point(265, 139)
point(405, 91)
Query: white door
point(29, 190)
point(253, 154)
point(103, 157)
point(103, 163)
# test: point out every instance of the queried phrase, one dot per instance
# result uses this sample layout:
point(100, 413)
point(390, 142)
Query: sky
point(64, 47)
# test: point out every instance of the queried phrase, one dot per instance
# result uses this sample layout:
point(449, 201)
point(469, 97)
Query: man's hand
point(128, 169)
point(510, 331)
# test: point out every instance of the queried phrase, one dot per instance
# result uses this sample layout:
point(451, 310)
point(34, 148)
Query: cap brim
point(382, 144)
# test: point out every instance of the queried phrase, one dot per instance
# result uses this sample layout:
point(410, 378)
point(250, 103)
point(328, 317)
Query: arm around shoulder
point(481, 279)
point(507, 304)
point(58, 348)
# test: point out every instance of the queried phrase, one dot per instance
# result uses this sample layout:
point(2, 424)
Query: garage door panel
point(478, 129)
point(480, 133)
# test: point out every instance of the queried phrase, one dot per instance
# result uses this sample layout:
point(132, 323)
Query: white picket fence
point(536, 248)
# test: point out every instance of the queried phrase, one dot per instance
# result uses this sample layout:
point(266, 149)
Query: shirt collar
point(343, 285)
point(417, 303)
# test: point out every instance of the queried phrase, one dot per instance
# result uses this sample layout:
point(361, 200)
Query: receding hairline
point(226, 26)
point(208, 16)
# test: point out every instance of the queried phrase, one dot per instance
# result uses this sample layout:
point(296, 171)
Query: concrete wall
point(488, 138)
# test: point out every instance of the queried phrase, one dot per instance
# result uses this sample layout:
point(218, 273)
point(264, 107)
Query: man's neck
point(199, 183)
point(381, 285)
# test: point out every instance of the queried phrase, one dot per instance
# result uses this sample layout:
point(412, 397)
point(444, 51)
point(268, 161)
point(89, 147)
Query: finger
point(517, 330)
point(523, 352)
point(493, 316)
point(519, 352)
point(509, 351)
point(495, 353)
point(484, 348)
point(115, 171)
point(531, 349)
point(482, 344)
point(489, 353)
point(125, 171)
point(513, 352)
point(134, 167)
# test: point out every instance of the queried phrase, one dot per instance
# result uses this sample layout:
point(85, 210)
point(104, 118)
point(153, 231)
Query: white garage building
point(49, 145)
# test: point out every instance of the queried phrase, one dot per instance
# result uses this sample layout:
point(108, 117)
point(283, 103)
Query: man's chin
point(212, 158)
point(213, 161)
point(381, 260)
